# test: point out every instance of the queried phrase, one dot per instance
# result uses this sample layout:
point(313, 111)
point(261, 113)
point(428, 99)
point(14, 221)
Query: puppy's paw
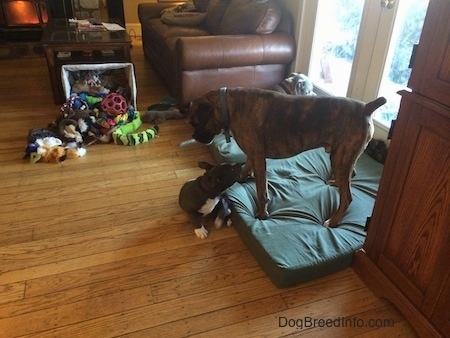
point(229, 223)
point(201, 232)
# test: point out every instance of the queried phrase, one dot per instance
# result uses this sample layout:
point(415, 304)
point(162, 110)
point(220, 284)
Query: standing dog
point(203, 196)
point(267, 124)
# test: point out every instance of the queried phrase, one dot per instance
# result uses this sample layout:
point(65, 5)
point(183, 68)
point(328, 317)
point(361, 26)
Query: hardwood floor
point(98, 247)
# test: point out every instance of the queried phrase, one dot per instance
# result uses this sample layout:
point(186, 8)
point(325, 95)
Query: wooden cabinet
point(431, 73)
point(406, 256)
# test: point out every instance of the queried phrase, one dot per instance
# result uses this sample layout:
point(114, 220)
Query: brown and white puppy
point(267, 124)
point(205, 195)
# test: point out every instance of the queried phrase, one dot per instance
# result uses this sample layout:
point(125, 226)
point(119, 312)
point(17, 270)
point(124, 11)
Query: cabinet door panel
point(432, 78)
point(418, 226)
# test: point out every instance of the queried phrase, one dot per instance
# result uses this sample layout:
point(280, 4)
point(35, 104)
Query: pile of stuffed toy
point(98, 110)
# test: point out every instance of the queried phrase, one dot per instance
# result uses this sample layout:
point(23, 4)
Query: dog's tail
point(374, 105)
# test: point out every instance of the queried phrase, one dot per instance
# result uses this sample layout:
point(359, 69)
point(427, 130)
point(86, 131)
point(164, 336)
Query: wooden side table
point(64, 44)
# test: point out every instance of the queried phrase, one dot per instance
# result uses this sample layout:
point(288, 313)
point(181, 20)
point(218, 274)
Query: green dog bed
point(292, 245)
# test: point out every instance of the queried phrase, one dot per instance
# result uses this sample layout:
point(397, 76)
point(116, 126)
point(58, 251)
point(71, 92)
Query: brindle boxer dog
point(267, 124)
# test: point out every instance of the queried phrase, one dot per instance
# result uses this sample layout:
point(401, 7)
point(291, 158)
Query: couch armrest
point(153, 10)
point(225, 51)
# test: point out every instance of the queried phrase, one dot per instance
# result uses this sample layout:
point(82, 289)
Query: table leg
point(55, 76)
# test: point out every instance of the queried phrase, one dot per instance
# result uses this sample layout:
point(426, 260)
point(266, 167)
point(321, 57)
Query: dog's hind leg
point(332, 180)
point(223, 213)
point(259, 171)
point(342, 172)
point(345, 197)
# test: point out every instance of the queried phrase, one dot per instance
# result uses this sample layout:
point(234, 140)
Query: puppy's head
point(220, 177)
point(299, 84)
point(202, 117)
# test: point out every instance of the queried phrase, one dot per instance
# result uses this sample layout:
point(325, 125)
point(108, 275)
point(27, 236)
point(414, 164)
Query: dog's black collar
point(225, 117)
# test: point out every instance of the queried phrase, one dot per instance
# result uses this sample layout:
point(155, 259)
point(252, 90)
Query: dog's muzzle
point(203, 136)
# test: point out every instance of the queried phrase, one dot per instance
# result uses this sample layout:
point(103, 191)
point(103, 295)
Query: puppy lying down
point(204, 196)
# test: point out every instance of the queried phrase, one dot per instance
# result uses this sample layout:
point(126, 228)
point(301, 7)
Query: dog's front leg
point(201, 232)
point(199, 229)
point(259, 171)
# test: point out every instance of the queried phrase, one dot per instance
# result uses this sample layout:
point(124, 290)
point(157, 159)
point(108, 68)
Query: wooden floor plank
point(192, 326)
point(98, 246)
point(297, 321)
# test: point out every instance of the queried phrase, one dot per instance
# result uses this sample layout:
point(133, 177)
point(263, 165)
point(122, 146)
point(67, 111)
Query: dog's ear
point(205, 165)
point(203, 113)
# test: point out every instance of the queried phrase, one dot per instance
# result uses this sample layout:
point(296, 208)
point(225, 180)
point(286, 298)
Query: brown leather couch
point(248, 43)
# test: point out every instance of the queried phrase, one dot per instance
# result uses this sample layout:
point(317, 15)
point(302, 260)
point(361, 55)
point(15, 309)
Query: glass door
point(335, 36)
point(405, 34)
point(361, 48)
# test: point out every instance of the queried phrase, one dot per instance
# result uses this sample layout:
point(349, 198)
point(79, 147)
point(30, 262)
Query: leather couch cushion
point(216, 9)
point(161, 31)
point(201, 5)
point(184, 18)
point(250, 17)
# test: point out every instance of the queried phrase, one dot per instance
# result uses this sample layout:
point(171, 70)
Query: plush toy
point(160, 116)
point(127, 134)
point(92, 101)
point(76, 125)
point(51, 150)
point(68, 129)
point(116, 80)
point(39, 133)
point(32, 147)
point(89, 82)
point(82, 86)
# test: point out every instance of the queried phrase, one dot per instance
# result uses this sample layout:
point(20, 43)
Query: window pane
point(335, 36)
point(407, 29)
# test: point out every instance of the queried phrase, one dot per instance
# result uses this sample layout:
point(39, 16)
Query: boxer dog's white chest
point(209, 205)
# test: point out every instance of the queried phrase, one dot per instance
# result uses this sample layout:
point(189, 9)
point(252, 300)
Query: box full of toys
point(100, 107)
point(100, 79)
